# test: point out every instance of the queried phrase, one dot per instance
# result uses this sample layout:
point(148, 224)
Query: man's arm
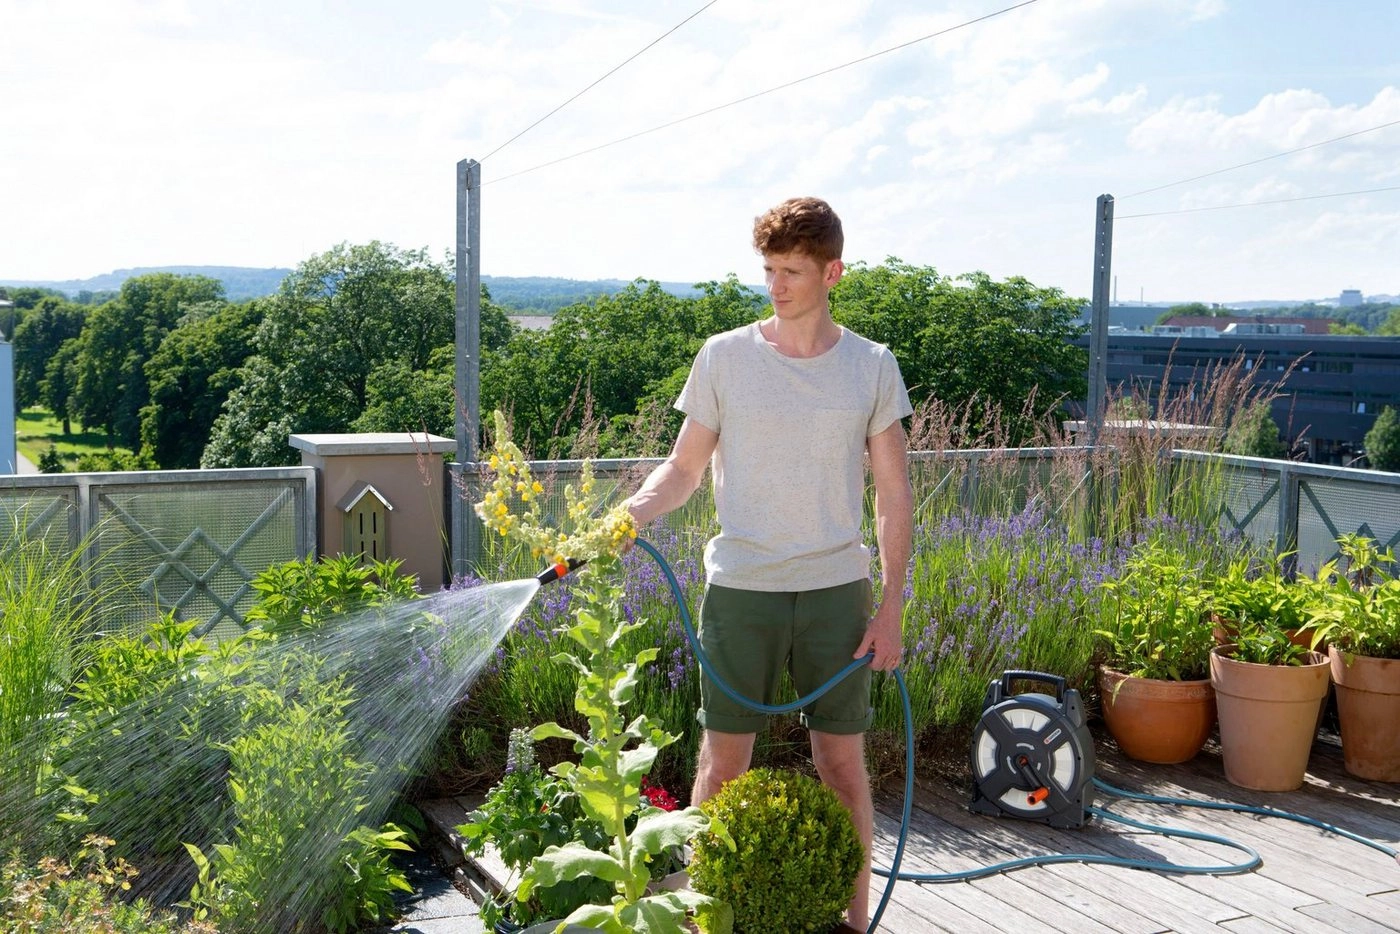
point(668, 486)
point(894, 532)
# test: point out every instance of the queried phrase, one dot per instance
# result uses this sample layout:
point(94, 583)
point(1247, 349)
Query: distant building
point(1254, 324)
point(1350, 298)
point(1330, 388)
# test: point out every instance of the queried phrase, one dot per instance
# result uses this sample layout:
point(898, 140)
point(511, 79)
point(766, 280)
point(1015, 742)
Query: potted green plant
point(797, 856)
point(1269, 686)
point(524, 814)
point(1154, 648)
point(615, 753)
point(1358, 615)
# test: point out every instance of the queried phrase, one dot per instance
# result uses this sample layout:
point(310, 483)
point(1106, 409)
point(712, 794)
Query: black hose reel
point(1032, 755)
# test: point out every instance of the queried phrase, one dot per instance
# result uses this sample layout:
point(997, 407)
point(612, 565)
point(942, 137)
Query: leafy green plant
point(145, 722)
point(524, 814)
point(616, 753)
point(294, 785)
point(794, 858)
point(302, 596)
point(1259, 611)
point(84, 897)
point(1358, 610)
point(44, 625)
point(1154, 622)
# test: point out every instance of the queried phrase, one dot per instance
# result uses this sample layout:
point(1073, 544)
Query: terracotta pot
point(1368, 706)
point(1156, 721)
point(1268, 718)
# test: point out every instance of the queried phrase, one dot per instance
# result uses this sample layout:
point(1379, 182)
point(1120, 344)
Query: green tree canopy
point(120, 337)
point(1254, 433)
point(339, 317)
point(45, 327)
point(970, 342)
point(1383, 441)
point(194, 371)
point(597, 363)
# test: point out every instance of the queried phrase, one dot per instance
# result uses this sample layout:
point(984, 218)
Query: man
point(785, 411)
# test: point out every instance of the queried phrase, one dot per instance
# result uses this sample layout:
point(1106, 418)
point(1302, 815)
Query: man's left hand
point(885, 637)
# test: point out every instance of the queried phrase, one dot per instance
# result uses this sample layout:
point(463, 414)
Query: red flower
point(658, 797)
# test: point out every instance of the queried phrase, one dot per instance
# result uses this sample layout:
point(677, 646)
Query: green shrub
point(52, 897)
point(796, 855)
point(295, 786)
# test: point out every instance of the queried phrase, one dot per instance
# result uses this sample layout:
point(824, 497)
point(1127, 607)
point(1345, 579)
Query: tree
point(1383, 441)
point(120, 337)
point(51, 322)
point(1254, 433)
point(1391, 325)
point(339, 316)
point(195, 369)
point(60, 376)
point(971, 343)
point(404, 399)
point(597, 362)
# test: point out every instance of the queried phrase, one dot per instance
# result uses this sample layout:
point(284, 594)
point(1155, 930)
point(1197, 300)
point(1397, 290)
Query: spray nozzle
point(555, 571)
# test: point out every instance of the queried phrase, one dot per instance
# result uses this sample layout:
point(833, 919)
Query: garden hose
point(1252, 862)
point(855, 665)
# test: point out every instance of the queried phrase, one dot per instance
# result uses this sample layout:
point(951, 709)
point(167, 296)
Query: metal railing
point(190, 542)
point(187, 542)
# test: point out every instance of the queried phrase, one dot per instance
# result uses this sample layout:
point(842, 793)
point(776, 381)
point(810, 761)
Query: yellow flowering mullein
point(511, 508)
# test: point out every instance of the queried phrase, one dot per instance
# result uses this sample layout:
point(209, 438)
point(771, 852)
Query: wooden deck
point(1310, 880)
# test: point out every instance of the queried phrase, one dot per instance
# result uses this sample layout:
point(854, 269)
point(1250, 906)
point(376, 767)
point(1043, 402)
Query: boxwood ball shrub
point(795, 858)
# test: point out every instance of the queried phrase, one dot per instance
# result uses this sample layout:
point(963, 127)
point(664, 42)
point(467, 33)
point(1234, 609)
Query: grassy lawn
point(37, 428)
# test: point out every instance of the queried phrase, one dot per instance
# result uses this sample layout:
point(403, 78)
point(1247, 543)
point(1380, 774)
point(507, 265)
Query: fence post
point(1098, 337)
point(466, 533)
point(1289, 490)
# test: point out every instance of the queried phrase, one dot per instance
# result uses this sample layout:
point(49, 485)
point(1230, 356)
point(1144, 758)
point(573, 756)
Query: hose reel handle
point(1018, 674)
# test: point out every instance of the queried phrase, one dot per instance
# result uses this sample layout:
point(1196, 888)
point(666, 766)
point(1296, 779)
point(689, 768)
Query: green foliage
point(50, 461)
point(1382, 442)
point(970, 342)
point(793, 859)
point(148, 718)
point(302, 596)
point(524, 814)
point(1155, 616)
point(603, 360)
point(44, 625)
point(404, 399)
point(117, 341)
point(1254, 433)
point(51, 323)
point(87, 897)
point(294, 782)
point(1358, 610)
point(196, 368)
point(1259, 610)
point(614, 757)
point(339, 316)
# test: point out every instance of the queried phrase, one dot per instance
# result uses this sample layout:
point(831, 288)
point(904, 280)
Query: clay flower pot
point(1268, 718)
point(1157, 721)
point(1368, 706)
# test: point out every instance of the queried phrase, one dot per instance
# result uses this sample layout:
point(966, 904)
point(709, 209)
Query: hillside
point(521, 294)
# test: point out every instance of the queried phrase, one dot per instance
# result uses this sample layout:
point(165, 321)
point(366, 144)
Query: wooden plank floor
point(1310, 880)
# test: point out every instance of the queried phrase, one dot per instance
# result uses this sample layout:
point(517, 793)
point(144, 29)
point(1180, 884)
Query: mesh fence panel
point(1329, 507)
point(193, 550)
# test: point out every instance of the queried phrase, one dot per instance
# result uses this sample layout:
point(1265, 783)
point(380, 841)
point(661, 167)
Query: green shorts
point(752, 637)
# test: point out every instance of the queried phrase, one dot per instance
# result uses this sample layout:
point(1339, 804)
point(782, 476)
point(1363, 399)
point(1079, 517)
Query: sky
point(262, 132)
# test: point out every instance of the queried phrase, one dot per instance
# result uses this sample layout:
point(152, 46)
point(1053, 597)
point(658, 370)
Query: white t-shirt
point(789, 468)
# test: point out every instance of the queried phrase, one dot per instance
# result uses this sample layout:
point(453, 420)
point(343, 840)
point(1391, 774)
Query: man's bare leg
point(840, 762)
point(723, 756)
